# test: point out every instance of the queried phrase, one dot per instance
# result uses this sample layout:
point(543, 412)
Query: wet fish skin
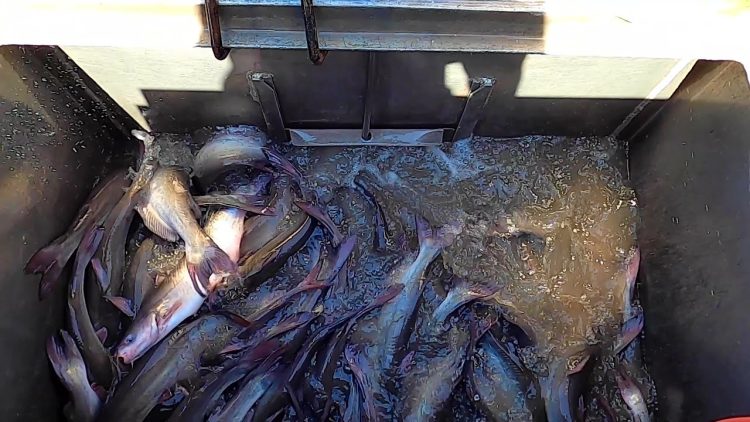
point(69, 366)
point(632, 395)
point(96, 356)
point(381, 228)
point(395, 315)
point(460, 294)
point(353, 411)
point(138, 282)
point(630, 331)
point(176, 359)
point(324, 332)
point(501, 388)
point(561, 388)
point(249, 393)
point(177, 297)
point(168, 210)
point(319, 214)
point(52, 259)
point(427, 391)
point(361, 371)
point(112, 252)
point(235, 149)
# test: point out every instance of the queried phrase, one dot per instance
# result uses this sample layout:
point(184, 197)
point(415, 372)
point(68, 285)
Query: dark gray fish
point(318, 213)
point(630, 331)
point(270, 240)
point(429, 388)
point(178, 297)
point(232, 148)
point(460, 294)
point(261, 315)
point(168, 210)
point(251, 390)
point(632, 395)
point(175, 360)
point(395, 315)
point(138, 281)
point(69, 366)
point(381, 228)
point(353, 412)
point(116, 226)
point(321, 334)
point(564, 385)
point(361, 372)
point(201, 401)
point(96, 356)
point(503, 390)
point(51, 259)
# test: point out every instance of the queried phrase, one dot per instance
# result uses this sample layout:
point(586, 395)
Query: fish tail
point(282, 163)
point(50, 262)
point(208, 265)
point(64, 356)
point(439, 237)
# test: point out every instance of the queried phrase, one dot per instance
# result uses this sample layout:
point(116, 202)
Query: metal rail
point(710, 29)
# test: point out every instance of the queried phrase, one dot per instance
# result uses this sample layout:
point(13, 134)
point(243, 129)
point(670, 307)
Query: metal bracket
point(263, 92)
point(481, 88)
point(311, 33)
point(214, 29)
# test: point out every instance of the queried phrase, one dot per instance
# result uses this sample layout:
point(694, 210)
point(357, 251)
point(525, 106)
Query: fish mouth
point(137, 343)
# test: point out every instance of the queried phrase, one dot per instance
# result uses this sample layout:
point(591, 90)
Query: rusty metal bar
point(311, 33)
point(214, 30)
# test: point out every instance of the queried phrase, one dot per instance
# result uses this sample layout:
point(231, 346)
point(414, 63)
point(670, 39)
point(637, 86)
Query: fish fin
point(235, 318)
point(461, 294)
point(156, 224)
point(440, 237)
point(343, 252)
point(100, 272)
point(123, 304)
point(280, 162)
point(322, 217)
point(206, 261)
point(50, 261)
point(101, 334)
point(630, 330)
point(312, 277)
point(65, 357)
point(255, 204)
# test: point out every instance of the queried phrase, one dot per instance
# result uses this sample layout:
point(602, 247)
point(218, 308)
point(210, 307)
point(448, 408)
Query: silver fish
point(69, 366)
point(168, 210)
point(177, 297)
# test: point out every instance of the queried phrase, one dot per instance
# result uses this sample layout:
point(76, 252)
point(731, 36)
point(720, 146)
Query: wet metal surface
point(54, 145)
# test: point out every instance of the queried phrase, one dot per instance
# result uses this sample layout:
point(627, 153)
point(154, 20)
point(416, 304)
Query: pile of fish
point(165, 319)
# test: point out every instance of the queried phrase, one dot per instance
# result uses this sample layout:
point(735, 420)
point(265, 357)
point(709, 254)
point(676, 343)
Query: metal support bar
point(311, 33)
point(214, 29)
point(369, 93)
point(263, 91)
point(379, 137)
point(481, 88)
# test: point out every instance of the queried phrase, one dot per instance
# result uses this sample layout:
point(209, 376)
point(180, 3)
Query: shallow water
point(562, 276)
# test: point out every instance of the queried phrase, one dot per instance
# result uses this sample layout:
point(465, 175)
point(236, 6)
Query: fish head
point(142, 334)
